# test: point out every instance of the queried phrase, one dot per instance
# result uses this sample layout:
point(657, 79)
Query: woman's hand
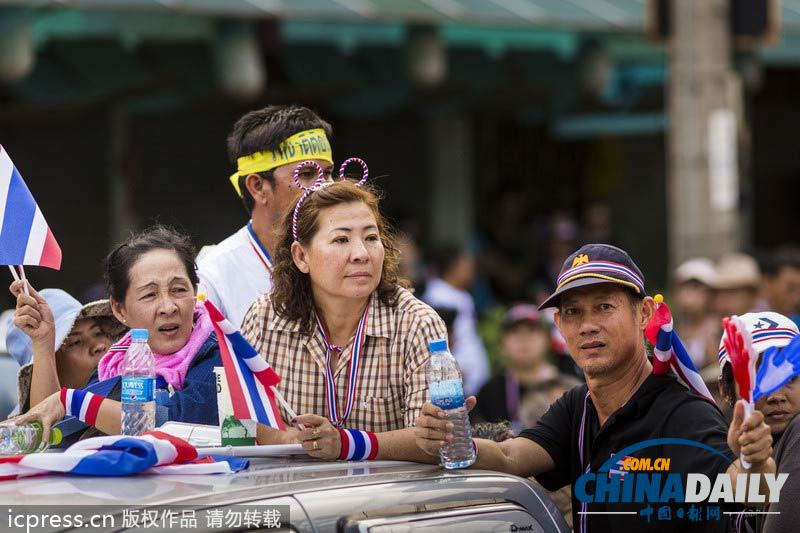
point(750, 438)
point(49, 411)
point(269, 435)
point(319, 438)
point(33, 315)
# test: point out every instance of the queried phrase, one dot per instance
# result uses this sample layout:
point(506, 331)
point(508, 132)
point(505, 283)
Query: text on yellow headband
point(308, 144)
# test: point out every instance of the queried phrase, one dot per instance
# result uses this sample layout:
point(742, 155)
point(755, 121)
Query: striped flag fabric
point(619, 468)
point(670, 353)
point(25, 237)
point(154, 452)
point(251, 379)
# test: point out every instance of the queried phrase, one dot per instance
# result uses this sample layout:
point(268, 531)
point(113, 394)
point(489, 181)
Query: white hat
point(767, 329)
point(737, 271)
point(699, 269)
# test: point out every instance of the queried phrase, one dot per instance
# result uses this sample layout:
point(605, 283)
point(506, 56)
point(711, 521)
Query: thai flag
point(119, 455)
point(778, 367)
point(620, 469)
point(250, 378)
point(669, 351)
point(25, 238)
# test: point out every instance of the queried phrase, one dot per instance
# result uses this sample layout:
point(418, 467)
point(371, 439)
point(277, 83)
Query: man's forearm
point(495, 456)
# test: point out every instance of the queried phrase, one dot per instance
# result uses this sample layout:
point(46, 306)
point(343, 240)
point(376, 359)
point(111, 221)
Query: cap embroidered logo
point(580, 260)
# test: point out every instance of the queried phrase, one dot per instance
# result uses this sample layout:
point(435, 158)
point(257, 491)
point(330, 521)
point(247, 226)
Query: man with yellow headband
point(266, 145)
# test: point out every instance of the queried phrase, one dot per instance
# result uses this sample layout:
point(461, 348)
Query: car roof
point(324, 492)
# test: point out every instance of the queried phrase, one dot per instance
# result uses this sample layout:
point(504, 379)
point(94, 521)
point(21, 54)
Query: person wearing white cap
point(693, 295)
point(81, 335)
point(767, 329)
point(737, 284)
point(780, 408)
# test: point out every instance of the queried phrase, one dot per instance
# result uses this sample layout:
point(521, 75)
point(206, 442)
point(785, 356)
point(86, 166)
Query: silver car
point(310, 495)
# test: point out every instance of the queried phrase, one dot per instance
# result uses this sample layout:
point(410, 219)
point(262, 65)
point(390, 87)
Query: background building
point(515, 125)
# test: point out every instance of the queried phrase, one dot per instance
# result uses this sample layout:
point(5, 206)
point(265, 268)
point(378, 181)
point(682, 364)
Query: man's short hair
point(265, 130)
point(444, 256)
point(784, 257)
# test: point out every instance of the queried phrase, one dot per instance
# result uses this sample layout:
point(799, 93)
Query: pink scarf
point(172, 367)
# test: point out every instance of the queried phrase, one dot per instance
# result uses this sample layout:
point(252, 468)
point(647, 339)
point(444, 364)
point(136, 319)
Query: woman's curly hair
point(291, 289)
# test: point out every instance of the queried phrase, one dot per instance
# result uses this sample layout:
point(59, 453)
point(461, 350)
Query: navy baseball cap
point(597, 263)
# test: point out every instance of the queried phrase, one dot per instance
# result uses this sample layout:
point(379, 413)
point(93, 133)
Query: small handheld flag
point(25, 237)
point(739, 345)
point(669, 350)
point(252, 381)
point(778, 367)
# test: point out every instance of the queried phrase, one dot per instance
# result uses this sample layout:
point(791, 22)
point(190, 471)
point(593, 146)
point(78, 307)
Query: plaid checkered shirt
point(391, 384)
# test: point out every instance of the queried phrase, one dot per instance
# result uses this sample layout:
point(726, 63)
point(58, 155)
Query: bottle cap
point(138, 335)
point(55, 436)
point(438, 345)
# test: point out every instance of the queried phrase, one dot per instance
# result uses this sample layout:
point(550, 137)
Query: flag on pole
point(669, 351)
point(778, 367)
point(25, 237)
point(739, 346)
point(154, 452)
point(250, 378)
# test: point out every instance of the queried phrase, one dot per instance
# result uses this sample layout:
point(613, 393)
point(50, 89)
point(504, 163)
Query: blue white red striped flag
point(119, 455)
point(250, 378)
point(670, 353)
point(25, 237)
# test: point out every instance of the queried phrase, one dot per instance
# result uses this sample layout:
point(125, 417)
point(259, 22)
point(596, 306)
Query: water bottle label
point(138, 390)
point(447, 394)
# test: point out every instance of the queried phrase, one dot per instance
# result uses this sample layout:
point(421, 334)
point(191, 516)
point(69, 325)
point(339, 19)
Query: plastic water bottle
point(26, 438)
point(138, 386)
point(447, 393)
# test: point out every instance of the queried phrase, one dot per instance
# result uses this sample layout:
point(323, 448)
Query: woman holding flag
point(152, 284)
point(348, 340)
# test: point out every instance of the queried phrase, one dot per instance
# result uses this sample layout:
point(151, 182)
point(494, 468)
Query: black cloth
point(787, 458)
point(660, 408)
point(492, 403)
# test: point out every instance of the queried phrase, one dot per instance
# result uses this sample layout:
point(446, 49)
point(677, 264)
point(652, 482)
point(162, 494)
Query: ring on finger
point(316, 445)
point(315, 432)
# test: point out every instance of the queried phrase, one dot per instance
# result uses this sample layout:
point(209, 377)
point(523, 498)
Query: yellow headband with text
point(308, 144)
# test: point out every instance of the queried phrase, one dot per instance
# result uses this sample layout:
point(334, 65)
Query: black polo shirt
point(660, 408)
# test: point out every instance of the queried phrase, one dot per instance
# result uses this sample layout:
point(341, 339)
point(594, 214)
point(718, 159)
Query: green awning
point(619, 15)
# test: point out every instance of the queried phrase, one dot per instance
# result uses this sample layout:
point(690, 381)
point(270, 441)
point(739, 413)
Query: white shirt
point(468, 347)
point(234, 273)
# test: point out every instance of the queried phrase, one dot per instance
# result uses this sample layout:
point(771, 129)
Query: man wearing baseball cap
point(602, 310)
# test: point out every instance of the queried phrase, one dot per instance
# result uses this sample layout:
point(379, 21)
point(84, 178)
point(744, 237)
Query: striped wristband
point(358, 445)
point(81, 404)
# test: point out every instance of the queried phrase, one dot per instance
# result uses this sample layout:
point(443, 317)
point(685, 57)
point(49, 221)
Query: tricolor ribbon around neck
point(585, 462)
point(336, 417)
point(259, 249)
